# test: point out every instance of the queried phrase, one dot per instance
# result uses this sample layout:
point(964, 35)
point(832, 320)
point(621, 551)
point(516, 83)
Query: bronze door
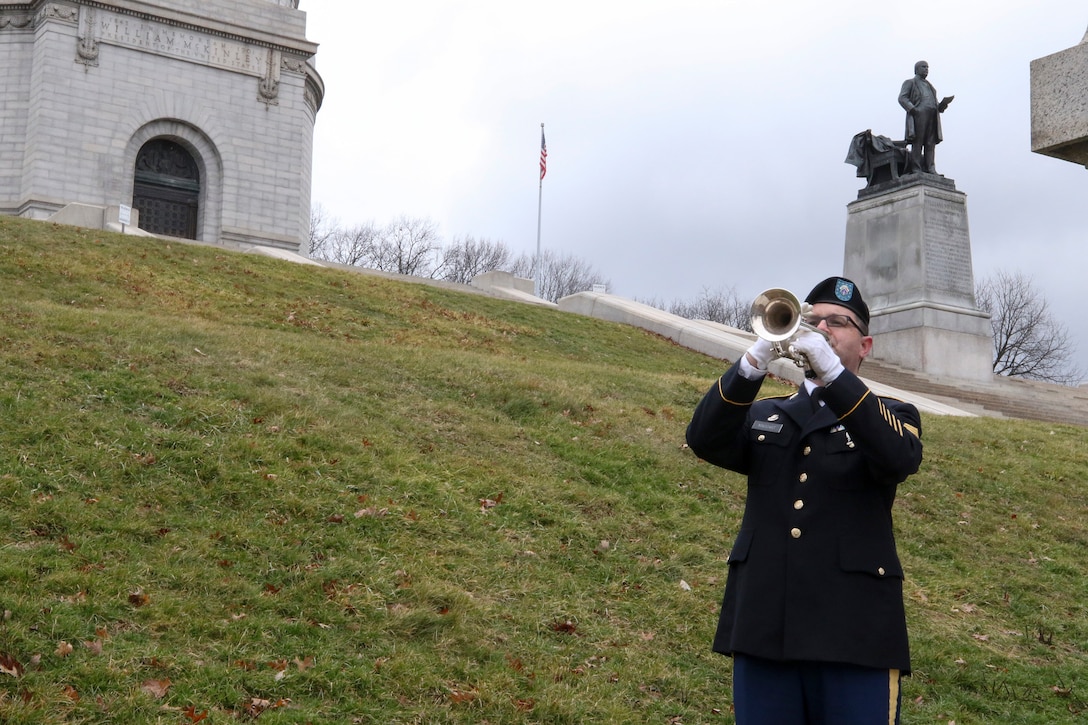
point(167, 189)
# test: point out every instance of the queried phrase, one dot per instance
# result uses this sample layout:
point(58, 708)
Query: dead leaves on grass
point(159, 688)
point(10, 666)
point(192, 715)
point(156, 688)
point(486, 504)
point(138, 598)
point(256, 706)
point(564, 627)
point(391, 508)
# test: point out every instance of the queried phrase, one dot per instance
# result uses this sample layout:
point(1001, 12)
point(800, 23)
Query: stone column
point(909, 250)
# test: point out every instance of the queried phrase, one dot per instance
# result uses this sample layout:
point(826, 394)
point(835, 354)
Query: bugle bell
point(777, 316)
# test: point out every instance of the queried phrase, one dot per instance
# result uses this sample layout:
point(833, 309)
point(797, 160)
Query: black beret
point(840, 291)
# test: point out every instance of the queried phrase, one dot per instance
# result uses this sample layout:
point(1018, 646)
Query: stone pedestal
point(908, 249)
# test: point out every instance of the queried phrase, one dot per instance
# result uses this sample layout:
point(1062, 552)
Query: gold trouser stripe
point(893, 697)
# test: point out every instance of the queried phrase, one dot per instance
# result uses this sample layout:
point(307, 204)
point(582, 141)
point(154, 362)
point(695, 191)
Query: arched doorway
point(166, 189)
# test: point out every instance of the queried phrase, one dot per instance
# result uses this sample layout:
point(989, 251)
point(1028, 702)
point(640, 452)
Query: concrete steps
point(1003, 397)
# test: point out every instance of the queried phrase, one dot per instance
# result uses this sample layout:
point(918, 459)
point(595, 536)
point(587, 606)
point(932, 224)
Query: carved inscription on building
point(181, 43)
point(948, 248)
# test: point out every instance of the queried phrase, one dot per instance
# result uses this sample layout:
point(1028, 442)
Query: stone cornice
point(196, 23)
point(20, 15)
point(295, 54)
point(15, 22)
point(16, 17)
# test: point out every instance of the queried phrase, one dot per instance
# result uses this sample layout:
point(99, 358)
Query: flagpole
point(539, 207)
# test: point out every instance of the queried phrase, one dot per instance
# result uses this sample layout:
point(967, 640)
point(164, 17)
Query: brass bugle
point(777, 316)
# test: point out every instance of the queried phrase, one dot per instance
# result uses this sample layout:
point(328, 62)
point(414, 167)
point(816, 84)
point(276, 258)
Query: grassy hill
point(236, 488)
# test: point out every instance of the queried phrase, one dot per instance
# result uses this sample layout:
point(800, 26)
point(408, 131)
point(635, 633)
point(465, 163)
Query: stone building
point(199, 114)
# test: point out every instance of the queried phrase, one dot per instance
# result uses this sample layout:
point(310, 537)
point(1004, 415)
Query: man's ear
point(866, 346)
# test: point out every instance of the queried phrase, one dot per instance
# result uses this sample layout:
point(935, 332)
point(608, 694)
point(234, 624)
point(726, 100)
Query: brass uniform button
point(807, 450)
point(880, 571)
point(761, 438)
point(798, 504)
point(795, 533)
point(803, 477)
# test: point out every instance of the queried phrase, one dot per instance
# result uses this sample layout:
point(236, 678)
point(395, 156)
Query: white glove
point(821, 358)
point(762, 352)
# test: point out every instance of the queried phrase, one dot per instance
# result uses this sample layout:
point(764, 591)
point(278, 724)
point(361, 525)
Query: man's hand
point(760, 354)
point(821, 358)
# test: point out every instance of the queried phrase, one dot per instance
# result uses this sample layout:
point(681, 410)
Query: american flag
point(543, 154)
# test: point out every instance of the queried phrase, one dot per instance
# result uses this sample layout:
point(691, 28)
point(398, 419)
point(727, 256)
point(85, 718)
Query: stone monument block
point(1059, 104)
point(199, 114)
point(909, 249)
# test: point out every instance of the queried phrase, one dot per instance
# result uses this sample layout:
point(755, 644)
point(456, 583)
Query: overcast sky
point(692, 144)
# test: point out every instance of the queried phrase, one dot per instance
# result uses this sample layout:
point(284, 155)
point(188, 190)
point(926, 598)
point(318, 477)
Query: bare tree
point(408, 245)
point(354, 247)
point(557, 276)
point(322, 229)
point(1028, 341)
point(464, 259)
point(412, 246)
point(723, 306)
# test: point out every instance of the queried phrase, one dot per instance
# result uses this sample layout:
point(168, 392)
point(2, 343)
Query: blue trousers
point(813, 693)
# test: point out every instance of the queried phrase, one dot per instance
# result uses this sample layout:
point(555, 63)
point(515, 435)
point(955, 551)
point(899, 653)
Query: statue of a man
point(924, 111)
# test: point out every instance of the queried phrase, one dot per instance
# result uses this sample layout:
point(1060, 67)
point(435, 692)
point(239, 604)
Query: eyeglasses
point(834, 322)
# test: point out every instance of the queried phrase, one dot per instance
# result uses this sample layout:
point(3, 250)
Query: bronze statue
point(924, 111)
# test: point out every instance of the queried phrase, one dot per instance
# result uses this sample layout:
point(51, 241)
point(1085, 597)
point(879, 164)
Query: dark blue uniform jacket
point(813, 573)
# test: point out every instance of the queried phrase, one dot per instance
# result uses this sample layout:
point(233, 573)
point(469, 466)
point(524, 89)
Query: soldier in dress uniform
point(813, 610)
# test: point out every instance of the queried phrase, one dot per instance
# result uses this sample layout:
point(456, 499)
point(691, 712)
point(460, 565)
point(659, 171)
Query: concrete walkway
point(1002, 397)
point(720, 341)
